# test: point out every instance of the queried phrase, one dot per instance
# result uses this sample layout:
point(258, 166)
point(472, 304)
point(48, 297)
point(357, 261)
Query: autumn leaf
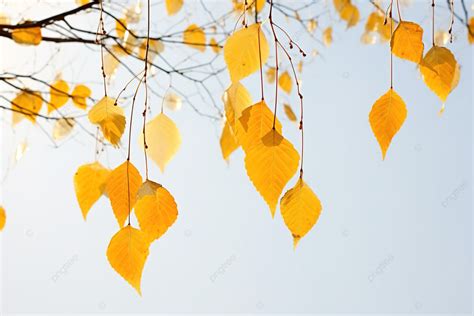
point(155, 47)
point(300, 209)
point(156, 209)
point(289, 112)
point(270, 74)
point(89, 183)
point(163, 140)
point(214, 45)
point(470, 31)
point(59, 95)
point(386, 118)
point(350, 14)
point(228, 141)
point(327, 36)
point(63, 127)
point(242, 54)
point(172, 101)
point(440, 71)
point(3, 218)
point(195, 37)
point(110, 118)
point(236, 99)
point(284, 81)
point(27, 104)
point(27, 36)
point(121, 28)
point(407, 41)
point(127, 252)
point(173, 6)
point(122, 186)
point(270, 164)
point(79, 96)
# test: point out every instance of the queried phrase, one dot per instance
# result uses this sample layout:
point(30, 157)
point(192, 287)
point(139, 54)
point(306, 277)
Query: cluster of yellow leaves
point(3, 218)
point(110, 118)
point(155, 210)
point(27, 36)
point(347, 12)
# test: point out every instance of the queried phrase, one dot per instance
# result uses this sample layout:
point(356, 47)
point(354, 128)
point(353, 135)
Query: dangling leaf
point(27, 36)
point(270, 74)
point(172, 101)
point(407, 41)
point(173, 6)
point(155, 47)
point(300, 209)
point(89, 183)
point(289, 112)
point(386, 118)
point(327, 36)
point(242, 54)
point(63, 127)
point(3, 218)
point(80, 95)
point(156, 209)
point(350, 14)
point(440, 71)
point(195, 37)
point(110, 118)
point(163, 140)
point(228, 141)
point(59, 95)
point(214, 45)
point(236, 99)
point(121, 28)
point(284, 81)
point(470, 31)
point(122, 190)
point(127, 253)
point(27, 104)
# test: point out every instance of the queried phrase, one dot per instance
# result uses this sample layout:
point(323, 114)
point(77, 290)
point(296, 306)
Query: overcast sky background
point(393, 237)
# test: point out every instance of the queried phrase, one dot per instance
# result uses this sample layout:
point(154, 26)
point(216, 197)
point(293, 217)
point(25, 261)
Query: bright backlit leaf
point(27, 36)
point(350, 14)
point(27, 104)
point(59, 95)
point(289, 112)
point(407, 41)
point(214, 45)
point(110, 118)
point(80, 95)
point(195, 37)
point(236, 99)
point(228, 141)
point(285, 82)
point(173, 6)
point(327, 36)
point(3, 218)
point(172, 101)
point(63, 127)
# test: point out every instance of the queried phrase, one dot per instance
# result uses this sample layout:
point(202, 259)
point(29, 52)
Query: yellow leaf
point(270, 164)
point(172, 101)
point(214, 45)
point(270, 74)
point(241, 52)
point(163, 140)
point(259, 4)
point(63, 127)
point(311, 25)
point(3, 218)
point(289, 112)
point(156, 209)
point(173, 6)
point(121, 28)
point(300, 209)
point(254, 123)
point(340, 5)
point(27, 36)
point(228, 141)
point(195, 37)
point(111, 63)
point(27, 104)
point(350, 14)
point(110, 118)
point(236, 99)
point(122, 187)
point(441, 38)
point(89, 183)
point(440, 71)
point(386, 118)
point(155, 47)
point(470, 31)
point(127, 253)
point(284, 81)
point(407, 41)
point(327, 36)
point(79, 96)
point(59, 95)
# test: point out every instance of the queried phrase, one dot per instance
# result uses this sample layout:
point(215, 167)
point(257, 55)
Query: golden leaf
point(271, 163)
point(386, 118)
point(243, 50)
point(3, 218)
point(59, 95)
point(121, 28)
point(122, 187)
point(156, 209)
point(89, 183)
point(163, 140)
point(27, 36)
point(110, 118)
point(63, 127)
point(195, 37)
point(236, 99)
point(111, 63)
point(270, 74)
point(173, 6)
point(284, 81)
point(27, 104)
point(289, 112)
point(470, 31)
point(340, 5)
point(440, 71)
point(300, 209)
point(327, 36)
point(127, 253)
point(311, 25)
point(79, 96)
point(407, 41)
point(350, 14)
point(228, 141)
point(155, 47)
point(214, 45)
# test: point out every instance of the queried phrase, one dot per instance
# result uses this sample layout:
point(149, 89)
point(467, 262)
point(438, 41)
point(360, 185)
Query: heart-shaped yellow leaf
point(89, 183)
point(386, 118)
point(270, 164)
point(127, 252)
point(243, 50)
point(79, 96)
point(156, 209)
point(195, 37)
point(27, 104)
point(59, 95)
point(110, 118)
point(407, 41)
point(122, 187)
point(300, 209)
point(163, 140)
